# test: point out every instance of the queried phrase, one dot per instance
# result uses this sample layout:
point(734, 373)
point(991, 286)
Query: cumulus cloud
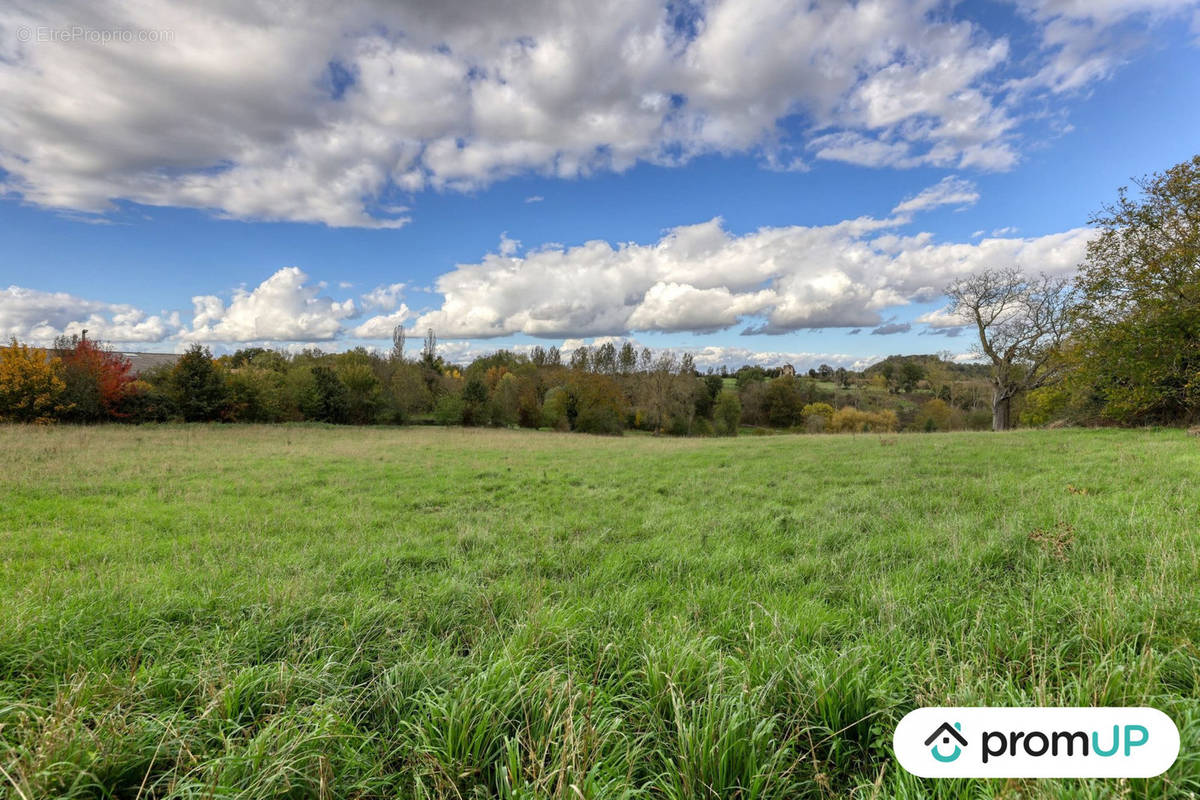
point(383, 298)
point(696, 278)
point(284, 307)
point(381, 326)
point(949, 191)
point(702, 278)
point(39, 317)
point(310, 113)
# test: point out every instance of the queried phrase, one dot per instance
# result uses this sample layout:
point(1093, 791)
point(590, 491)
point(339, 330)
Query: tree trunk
point(1001, 411)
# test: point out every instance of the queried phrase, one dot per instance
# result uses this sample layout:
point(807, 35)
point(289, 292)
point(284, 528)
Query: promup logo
point(1036, 742)
point(947, 732)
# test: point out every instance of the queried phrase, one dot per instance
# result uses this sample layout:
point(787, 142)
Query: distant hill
point(967, 371)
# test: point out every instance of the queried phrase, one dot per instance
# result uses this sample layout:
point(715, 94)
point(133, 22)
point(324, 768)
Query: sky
point(753, 181)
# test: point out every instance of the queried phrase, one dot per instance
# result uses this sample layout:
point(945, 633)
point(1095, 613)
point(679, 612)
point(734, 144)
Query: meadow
point(331, 612)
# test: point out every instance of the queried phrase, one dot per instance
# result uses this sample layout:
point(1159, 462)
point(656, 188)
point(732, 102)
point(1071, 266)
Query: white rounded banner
point(981, 742)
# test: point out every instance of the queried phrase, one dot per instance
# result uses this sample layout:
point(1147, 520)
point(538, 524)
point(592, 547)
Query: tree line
point(606, 389)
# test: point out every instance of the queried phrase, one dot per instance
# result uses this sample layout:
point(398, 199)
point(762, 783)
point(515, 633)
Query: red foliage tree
point(98, 380)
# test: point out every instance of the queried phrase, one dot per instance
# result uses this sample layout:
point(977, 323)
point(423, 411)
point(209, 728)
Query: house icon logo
point(945, 732)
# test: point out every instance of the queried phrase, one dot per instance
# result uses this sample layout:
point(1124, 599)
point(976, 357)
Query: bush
point(818, 409)
point(852, 420)
point(599, 404)
point(148, 401)
point(504, 407)
point(256, 395)
point(979, 420)
point(449, 410)
point(935, 415)
point(555, 408)
point(407, 393)
point(816, 417)
point(727, 415)
point(363, 393)
point(1044, 405)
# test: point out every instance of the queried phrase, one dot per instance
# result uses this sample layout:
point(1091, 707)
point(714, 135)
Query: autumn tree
point(30, 389)
point(598, 404)
point(1021, 323)
point(97, 381)
point(665, 388)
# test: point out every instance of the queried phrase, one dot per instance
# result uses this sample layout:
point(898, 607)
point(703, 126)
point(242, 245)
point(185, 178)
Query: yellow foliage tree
point(30, 389)
point(935, 415)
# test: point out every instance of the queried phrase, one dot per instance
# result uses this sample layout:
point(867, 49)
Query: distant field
point(336, 612)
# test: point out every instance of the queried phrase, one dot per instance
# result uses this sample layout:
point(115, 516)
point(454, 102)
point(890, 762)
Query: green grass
point(328, 612)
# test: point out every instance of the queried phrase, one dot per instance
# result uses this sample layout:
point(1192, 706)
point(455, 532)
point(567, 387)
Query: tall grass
point(221, 612)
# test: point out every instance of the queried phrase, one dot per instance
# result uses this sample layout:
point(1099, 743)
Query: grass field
point(332, 612)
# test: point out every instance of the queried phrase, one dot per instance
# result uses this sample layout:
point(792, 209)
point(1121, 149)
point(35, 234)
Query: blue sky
point(755, 181)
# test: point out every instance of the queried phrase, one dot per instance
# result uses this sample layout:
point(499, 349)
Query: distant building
point(787, 371)
point(139, 361)
point(144, 361)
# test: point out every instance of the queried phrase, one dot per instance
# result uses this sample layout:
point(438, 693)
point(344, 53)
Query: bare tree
point(1022, 322)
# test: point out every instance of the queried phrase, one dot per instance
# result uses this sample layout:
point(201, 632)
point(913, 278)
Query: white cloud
point(281, 308)
point(733, 357)
point(702, 278)
point(382, 325)
point(950, 190)
point(699, 278)
point(508, 247)
point(1084, 41)
point(39, 317)
point(318, 114)
point(534, 198)
point(941, 320)
point(383, 298)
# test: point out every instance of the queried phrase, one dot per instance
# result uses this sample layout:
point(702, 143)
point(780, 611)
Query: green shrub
point(727, 415)
point(853, 420)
